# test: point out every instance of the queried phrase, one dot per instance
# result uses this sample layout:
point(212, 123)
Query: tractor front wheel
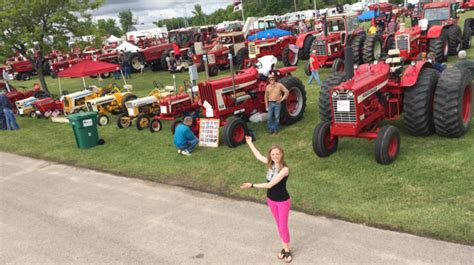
point(324, 105)
point(213, 71)
point(453, 102)
point(155, 126)
point(338, 65)
point(103, 120)
point(467, 38)
point(439, 47)
point(357, 47)
point(33, 114)
point(372, 48)
point(241, 56)
point(25, 76)
point(143, 121)
point(135, 63)
point(288, 57)
point(454, 39)
point(387, 145)
point(235, 131)
point(123, 121)
point(324, 144)
point(293, 107)
point(305, 52)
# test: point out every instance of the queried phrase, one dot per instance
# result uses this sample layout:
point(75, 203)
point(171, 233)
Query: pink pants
point(280, 211)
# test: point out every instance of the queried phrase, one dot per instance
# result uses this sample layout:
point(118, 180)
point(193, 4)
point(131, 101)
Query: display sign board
point(209, 132)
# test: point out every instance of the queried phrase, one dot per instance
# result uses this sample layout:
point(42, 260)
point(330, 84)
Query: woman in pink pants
point(278, 198)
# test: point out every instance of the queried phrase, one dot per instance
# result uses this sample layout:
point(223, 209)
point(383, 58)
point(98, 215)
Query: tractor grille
point(320, 47)
point(344, 116)
point(403, 42)
point(206, 93)
point(252, 50)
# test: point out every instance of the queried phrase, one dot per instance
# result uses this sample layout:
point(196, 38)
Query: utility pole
point(242, 7)
point(314, 4)
point(294, 1)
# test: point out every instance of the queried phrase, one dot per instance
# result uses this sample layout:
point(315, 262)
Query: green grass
point(427, 191)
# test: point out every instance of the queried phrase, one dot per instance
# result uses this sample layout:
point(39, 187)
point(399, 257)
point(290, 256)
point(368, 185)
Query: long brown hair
point(269, 157)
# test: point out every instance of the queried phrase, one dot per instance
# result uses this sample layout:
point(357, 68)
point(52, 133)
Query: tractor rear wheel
point(307, 70)
point(25, 76)
point(418, 103)
point(387, 145)
point(357, 47)
point(175, 124)
point(293, 107)
point(125, 99)
point(439, 47)
point(324, 144)
point(135, 62)
point(155, 125)
point(103, 120)
point(454, 39)
point(338, 65)
point(372, 48)
point(324, 104)
point(467, 38)
point(235, 131)
point(123, 121)
point(453, 102)
point(164, 63)
point(241, 56)
point(306, 50)
point(288, 57)
point(142, 122)
point(213, 71)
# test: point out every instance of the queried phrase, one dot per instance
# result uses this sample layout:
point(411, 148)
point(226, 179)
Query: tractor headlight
point(356, 66)
point(350, 94)
point(413, 63)
point(335, 94)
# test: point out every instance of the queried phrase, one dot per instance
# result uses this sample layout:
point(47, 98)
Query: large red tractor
point(355, 106)
point(234, 99)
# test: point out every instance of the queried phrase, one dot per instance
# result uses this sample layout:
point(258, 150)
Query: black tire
point(357, 48)
point(234, 132)
point(213, 71)
point(105, 75)
point(373, 48)
point(123, 121)
point(389, 44)
point(155, 65)
point(323, 145)
point(33, 114)
point(102, 120)
point(467, 38)
point(135, 62)
point(338, 65)
point(324, 104)
point(286, 57)
point(453, 102)
point(25, 76)
point(306, 50)
point(307, 70)
point(439, 47)
point(454, 40)
point(387, 145)
point(142, 121)
point(125, 99)
point(418, 103)
point(155, 126)
point(292, 109)
point(164, 64)
point(175, 124)
point(53, 74)
point(241, 56)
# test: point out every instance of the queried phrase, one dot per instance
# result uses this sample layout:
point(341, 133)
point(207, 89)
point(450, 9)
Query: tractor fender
point(285, 70)
point(410, 76)
point(434, 31)
point(301, 38)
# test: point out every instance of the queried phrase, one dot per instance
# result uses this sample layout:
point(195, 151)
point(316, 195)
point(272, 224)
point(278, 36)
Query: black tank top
point(278, 192)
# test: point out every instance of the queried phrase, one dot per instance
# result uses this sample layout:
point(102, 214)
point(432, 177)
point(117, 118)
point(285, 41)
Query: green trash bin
point(84, 126)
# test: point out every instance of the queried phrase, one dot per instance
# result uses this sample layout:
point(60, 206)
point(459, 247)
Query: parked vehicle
point(48, 107)
point(113, 102)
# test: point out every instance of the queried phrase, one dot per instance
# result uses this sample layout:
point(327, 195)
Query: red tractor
point(467, 4)
point(354, 106)
point(440, 32)
point(48, 107)
point(339, 31)
point(59, 64)
point(234, 99)
point(304, 41)
point(14, 95)
point(21, 68)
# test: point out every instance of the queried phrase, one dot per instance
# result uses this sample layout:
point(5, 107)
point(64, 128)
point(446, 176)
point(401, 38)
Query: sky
point(148, 11)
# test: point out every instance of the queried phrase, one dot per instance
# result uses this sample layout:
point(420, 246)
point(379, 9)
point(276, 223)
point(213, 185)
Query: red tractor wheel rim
point(393, 147)
point(156, 125)
point(238, 134)
point(466, 105)
point(294, 102)
point(329, 141)
point(292, 58)
point(340, 67)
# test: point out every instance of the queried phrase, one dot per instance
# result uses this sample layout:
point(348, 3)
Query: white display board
point(209, 132)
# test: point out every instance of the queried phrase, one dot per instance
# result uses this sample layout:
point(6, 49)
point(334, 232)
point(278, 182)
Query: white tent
point(127, 47)
point(113, 39)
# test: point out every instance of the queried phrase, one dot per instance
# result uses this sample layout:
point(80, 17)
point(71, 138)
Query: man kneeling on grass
point(184, 138)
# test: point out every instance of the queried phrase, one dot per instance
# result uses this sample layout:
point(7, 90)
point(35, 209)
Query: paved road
point(52, 213)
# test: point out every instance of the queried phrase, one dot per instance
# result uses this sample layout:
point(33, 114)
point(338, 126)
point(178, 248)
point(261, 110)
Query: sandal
point(288, 258)
point(281, 255)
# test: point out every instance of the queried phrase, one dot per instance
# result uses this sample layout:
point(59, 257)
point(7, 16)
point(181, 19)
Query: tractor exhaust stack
point(348, 62)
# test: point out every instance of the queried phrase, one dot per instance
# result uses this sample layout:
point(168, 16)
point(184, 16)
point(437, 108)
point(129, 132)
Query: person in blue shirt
point(7, 112)
point(184, 138)
point(437, 66)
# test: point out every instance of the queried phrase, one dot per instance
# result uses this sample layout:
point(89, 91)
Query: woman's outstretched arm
point(255, 152)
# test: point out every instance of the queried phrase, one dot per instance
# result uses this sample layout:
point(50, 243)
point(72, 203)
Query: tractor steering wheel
point(158, 85)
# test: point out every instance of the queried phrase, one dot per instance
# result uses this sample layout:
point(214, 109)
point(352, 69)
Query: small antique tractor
point(48, 107)
point(25, 107)
point(235, 99)
point(110, 103)
point(76, 101)
point(354, 106)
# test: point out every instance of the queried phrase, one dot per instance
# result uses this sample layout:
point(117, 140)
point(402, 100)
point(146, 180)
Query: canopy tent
point(127, 47)
point(113, 39)
point(88, 68)
point(368, 15)
point(268, 34)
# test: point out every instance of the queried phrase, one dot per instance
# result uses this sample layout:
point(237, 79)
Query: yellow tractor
point(25, 107)
point(76, 102)
point(113, 102)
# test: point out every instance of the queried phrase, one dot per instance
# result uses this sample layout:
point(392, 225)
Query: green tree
point(108, 27)
point(25, 26)
point(199, 16)
point(126, 20)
